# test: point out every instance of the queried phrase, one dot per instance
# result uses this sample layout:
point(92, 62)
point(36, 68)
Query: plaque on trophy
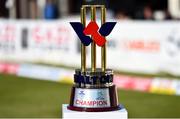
point(93, 89)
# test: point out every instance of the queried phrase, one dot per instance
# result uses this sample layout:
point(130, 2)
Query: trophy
point(93, 89)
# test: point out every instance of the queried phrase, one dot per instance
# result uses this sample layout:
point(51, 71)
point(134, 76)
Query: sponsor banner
point(43, 72)
point(163, 86)
point(177, 87)
point(94, 98)
point(148, 47)
point(38, 72)
point(9, 34)
point(9, 68)
point(151, 47)
point(66, 76)
point(132, 83)
point(38, 41)
point(51, 42)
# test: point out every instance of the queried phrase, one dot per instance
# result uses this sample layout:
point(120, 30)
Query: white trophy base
point(69, 114)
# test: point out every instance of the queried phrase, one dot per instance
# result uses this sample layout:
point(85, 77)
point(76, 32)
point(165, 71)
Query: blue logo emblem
point(100, 95)
point(98, 34)
point(81, 94)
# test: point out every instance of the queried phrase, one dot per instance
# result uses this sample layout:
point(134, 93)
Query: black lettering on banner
point(24, 38)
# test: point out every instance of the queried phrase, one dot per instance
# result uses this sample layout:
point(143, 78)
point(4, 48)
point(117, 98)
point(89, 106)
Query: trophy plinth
point(93, 91)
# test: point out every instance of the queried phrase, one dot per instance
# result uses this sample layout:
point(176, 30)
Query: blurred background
point(37, 42)
point(122, 9)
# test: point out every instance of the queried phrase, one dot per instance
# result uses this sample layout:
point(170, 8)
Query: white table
point(69, 114)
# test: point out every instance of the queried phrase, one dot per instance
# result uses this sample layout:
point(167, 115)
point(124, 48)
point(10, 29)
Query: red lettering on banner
point(52, 35)
point(142, 45)
point(7, 33)
point(36, 35)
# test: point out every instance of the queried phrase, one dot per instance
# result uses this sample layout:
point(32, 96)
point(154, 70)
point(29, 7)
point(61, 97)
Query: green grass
point(22, 97)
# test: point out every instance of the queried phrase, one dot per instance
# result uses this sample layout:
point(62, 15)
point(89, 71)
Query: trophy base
point(97, 99)
point(81, 109)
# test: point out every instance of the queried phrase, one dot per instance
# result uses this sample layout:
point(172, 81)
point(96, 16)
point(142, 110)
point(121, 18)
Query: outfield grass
point(22, 97)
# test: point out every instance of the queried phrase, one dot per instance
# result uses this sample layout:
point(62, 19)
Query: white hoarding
point(133, 46)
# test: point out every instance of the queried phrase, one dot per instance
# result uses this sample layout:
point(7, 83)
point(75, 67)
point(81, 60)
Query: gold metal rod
point(103, 48)
point(83, 48)
point(93, 45)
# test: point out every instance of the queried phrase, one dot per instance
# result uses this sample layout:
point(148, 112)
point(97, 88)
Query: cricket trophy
point(93, 89)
